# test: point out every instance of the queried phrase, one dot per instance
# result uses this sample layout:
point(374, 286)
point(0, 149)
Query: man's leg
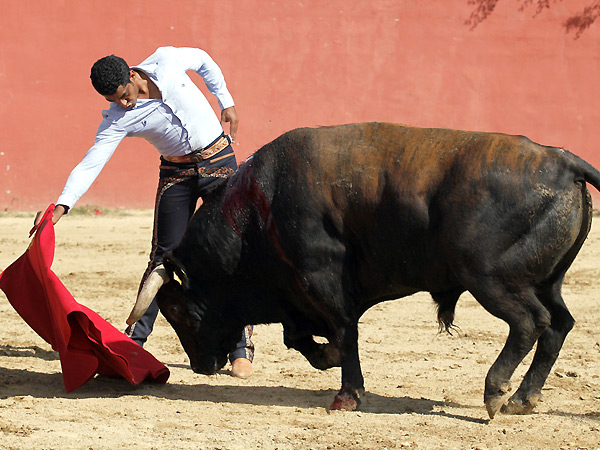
point(175, 203)
point(243, 355)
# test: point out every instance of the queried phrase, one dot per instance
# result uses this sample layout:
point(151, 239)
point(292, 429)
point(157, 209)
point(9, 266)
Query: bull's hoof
point(344, 404)
point(345, 401)
point(521, 406)
point(493, 403)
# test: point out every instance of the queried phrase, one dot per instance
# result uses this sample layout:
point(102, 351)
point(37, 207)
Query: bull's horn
point(155, 280)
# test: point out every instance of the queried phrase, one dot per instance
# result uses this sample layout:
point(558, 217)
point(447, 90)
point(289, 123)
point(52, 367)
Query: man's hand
point(229, 115)
point(59, 210)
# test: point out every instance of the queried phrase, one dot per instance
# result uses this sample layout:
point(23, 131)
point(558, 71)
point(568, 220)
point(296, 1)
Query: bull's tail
point(583, 171)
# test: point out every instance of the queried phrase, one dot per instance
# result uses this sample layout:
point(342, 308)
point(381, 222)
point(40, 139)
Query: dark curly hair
point(109, 73)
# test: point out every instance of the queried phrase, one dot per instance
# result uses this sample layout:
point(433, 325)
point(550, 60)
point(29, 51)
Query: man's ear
point(133, 74)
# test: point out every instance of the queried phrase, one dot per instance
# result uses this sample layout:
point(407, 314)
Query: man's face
point(125, 95)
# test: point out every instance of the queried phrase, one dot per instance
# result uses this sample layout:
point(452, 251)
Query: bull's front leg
point(320, 356)
point(349, 397)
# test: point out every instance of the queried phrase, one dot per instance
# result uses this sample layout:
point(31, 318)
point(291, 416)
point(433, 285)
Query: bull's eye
point(173, 310)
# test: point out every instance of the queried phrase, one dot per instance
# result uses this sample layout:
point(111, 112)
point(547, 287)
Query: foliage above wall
point(577, 23)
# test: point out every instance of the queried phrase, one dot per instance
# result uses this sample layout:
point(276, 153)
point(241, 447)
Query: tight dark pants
point(180, 186)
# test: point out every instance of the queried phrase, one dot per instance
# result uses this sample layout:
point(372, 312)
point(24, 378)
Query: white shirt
point(182, 122)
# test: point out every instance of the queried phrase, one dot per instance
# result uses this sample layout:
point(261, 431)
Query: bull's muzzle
point(155, 280)
point(208, 365)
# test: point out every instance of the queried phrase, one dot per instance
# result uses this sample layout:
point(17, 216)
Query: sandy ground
point(425, 390)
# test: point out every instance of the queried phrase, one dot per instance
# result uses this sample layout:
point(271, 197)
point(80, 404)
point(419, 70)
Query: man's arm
point(200, 62)
point(84, 174)
point(230, 115)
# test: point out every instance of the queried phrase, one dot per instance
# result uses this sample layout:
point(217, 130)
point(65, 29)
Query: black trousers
point(179, 188)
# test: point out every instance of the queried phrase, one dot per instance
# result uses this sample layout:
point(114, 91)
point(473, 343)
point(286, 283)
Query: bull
point(321, 224)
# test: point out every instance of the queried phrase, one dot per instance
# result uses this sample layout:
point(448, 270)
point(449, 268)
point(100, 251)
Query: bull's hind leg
point(527, 319)
point(553, 337)
point(548, 348)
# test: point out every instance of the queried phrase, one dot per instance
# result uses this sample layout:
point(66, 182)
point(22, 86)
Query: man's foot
point(241, 368)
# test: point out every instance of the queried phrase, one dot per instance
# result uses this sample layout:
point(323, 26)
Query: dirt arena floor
point(424, 390)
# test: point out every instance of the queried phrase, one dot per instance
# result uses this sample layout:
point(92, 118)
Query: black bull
point(321, 224)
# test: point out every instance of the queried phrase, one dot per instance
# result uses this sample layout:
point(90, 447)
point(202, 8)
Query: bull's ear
point(176, 270)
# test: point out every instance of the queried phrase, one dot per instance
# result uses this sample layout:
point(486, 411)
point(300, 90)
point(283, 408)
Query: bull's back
point(409, 201)
point(360, 166)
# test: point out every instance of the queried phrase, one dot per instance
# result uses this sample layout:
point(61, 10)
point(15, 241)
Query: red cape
point(85, 342)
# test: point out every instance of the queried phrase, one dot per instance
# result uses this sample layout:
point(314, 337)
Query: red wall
point(290, 64)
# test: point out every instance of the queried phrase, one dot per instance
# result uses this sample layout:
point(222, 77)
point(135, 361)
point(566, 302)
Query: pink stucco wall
point(290, 64)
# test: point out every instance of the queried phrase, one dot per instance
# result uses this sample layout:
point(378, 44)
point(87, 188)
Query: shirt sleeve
point(83, 175)
point(200, 62)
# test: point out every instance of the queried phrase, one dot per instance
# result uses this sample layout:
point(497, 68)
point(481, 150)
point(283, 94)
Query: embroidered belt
point(203, 154)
